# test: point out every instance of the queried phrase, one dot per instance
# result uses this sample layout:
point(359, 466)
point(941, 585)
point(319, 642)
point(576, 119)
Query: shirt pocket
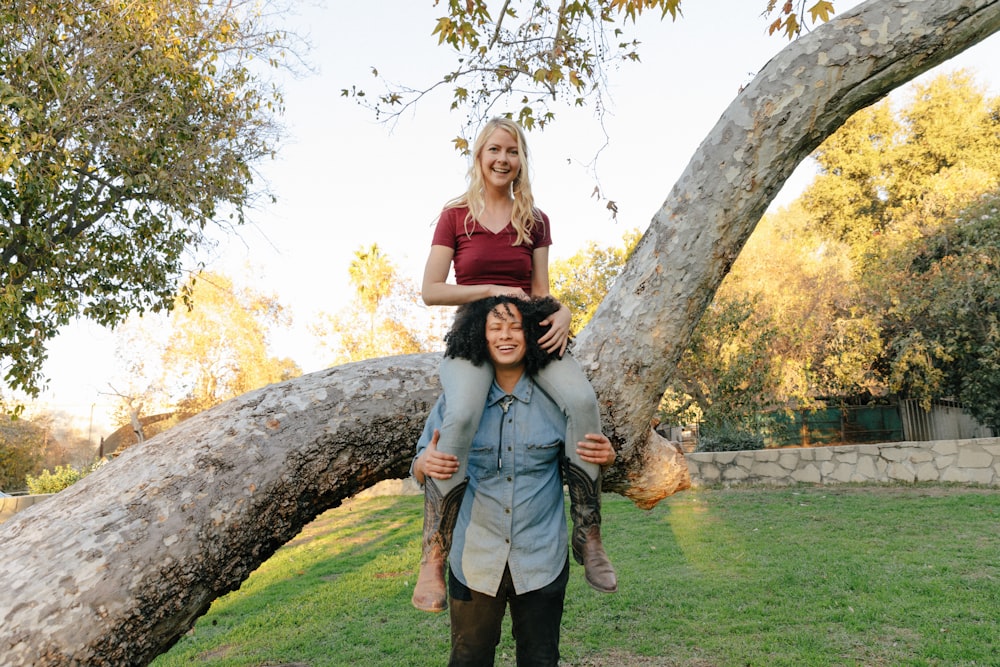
point(539, 458)
point(483, 462)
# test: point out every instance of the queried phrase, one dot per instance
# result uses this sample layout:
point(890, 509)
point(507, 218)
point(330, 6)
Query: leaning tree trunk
point(114, 569)
point(635, 340)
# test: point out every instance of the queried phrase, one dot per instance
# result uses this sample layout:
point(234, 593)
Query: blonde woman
point(498, 243)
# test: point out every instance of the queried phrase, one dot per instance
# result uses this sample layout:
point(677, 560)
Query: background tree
point(886, 178)
point(381, 321)
point(727, 377)
point(891, 187)
point(22, 445)
point(941, 300)
point(219, 343)
point(125, 129)
point(581, 281)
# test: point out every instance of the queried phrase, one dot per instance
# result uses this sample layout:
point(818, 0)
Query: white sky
point(343, 180)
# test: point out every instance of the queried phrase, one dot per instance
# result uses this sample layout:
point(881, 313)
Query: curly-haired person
point(509, 524)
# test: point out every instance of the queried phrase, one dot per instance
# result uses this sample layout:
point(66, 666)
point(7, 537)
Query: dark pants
point(535, 619)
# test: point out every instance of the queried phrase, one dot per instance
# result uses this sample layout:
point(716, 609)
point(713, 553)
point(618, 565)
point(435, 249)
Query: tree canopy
point(125, 129)
point(381, 320)
point(890, 176)
point(528, 54)
point(885, 285)
point(219, 346)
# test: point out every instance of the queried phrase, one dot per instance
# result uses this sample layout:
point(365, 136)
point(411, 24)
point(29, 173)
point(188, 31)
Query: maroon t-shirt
point(484, 258)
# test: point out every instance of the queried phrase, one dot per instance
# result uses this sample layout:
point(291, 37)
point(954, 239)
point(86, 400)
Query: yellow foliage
point(821, 11)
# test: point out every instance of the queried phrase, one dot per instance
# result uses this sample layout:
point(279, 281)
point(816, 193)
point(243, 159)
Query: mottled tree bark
point(114, 569)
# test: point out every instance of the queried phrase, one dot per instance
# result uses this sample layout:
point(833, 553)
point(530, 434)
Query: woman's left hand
point(557, 337)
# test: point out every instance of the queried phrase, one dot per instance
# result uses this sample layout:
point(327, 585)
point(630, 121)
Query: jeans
point(535, 620)
point(467, 385)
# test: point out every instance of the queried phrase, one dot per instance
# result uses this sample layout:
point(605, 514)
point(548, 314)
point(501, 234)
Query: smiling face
point(505, 337)
point(500, 160)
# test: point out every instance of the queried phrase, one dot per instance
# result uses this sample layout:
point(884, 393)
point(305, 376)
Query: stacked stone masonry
point(974, 461)
point(12, 504)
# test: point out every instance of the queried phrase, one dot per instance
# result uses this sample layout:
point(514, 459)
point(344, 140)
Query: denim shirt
point(512, 513)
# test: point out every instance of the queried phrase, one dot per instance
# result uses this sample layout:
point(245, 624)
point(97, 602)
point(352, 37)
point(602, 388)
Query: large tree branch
point(113, 570)
point(137, 550)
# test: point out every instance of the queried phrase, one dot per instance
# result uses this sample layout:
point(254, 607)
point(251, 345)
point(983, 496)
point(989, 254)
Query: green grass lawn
point(755, 577)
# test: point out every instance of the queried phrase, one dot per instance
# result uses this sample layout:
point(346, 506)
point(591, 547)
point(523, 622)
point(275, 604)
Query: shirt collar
point(522, 391)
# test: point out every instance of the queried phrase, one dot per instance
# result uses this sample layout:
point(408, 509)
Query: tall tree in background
point(380, 321)
point(125, 129)
point(375, 280)
point(886, 177)
point(892, 186)
point(219, 344)
point(581, 281)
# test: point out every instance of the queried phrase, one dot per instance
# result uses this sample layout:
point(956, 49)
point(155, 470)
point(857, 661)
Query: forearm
point(417, 470)
point(447, 294)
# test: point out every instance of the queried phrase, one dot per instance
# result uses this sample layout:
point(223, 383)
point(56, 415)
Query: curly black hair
point(467, 336)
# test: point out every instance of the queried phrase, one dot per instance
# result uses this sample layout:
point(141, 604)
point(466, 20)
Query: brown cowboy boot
point(440, 513)
point(585, 511)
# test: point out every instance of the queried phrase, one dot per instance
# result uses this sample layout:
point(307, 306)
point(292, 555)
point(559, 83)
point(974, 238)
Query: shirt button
point(510, 479)
point(506, 510)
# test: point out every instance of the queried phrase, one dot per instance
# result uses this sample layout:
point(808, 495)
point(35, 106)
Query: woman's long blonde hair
point(525, 216)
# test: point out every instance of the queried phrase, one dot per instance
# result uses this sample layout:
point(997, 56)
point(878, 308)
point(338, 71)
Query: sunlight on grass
point(701, 534)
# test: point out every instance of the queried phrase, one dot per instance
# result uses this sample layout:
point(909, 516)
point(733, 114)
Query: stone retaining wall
point(9, 505)
point(959, 461)
point(974, 461)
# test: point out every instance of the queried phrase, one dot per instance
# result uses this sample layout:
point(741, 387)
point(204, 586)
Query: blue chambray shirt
point(512, 512)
